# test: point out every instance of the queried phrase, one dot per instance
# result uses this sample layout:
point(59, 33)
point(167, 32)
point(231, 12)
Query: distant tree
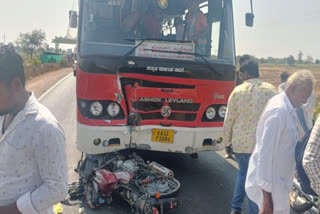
point(317, 61)
point(300, 56)
point(291, 60)
point(30, 43)
point(52, 50)
point(46, 47)
point(262, 60)
point(309, 60)
point(270, 60)
point(18, 48)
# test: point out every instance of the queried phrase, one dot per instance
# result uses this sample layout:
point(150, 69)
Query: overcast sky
point(281, 28)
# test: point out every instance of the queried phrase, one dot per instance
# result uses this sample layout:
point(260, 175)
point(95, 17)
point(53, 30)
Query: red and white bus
point(152, 92)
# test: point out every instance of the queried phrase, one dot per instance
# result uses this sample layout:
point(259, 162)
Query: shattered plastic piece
point(106, 181)
point(101, 200)
point(130, 165)
point(123, 177)
point(58, 208)
point(119, 97)
point(155, 210)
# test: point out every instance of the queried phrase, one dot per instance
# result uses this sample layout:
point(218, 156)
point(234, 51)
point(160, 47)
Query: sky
point(281, 27)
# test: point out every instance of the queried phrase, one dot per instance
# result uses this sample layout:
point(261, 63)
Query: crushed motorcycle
point(148, 187)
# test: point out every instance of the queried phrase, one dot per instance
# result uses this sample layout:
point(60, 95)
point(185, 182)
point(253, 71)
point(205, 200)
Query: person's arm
point(270, 136)
point(50, 156)
point(204, 26)
point(311, 158)
point(267, 205)
point(229, 120)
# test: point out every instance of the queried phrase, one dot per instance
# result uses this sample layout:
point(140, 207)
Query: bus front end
point(143, 84)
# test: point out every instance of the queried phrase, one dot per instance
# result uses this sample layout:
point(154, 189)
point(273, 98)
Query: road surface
point(206, 184)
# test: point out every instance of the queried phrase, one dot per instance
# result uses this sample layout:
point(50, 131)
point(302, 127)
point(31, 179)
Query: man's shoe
point(233, 212)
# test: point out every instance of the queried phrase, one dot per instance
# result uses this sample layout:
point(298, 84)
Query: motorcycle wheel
point(298, 202)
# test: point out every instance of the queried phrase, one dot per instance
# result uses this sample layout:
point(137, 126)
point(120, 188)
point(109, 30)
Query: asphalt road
point(206, 184)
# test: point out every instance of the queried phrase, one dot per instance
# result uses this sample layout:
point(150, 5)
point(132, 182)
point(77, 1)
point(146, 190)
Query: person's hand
point(267, 206)
point(228, 152)
point(269, 211)
point(266, 210)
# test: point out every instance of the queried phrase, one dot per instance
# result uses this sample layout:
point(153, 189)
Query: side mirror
point(249, 19)
point(73, 19)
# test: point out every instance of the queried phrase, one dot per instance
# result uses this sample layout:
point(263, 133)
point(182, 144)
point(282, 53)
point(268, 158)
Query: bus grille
point(153, 106)
point(173, 116)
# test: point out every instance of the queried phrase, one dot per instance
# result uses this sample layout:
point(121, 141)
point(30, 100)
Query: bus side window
point(215, 35)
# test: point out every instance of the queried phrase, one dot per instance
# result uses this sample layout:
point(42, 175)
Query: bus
point(153, 74)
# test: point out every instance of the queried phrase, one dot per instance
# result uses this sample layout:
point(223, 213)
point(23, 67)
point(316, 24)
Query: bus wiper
point(129, 53)
point(160, 40)
point(142, 41)
point(124, 57)
point(192, 54)
point(135, 47)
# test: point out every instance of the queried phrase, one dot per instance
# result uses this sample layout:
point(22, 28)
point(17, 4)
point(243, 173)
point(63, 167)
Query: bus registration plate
point(162, 135)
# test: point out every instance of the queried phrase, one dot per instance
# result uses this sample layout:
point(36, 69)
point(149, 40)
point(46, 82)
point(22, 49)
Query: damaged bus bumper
point(99, 140)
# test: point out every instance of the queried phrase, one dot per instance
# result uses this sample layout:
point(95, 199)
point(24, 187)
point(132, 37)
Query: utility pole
point(4, 38)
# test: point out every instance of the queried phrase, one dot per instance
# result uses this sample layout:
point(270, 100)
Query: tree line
point(290, 60)
point(34, 42)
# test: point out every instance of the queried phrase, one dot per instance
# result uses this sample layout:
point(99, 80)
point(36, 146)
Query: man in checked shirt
point(33, 169)
point(311, 158)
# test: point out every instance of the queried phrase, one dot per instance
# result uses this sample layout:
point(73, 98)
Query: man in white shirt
point(33, 169)
point(305, 112)
point(271, 166)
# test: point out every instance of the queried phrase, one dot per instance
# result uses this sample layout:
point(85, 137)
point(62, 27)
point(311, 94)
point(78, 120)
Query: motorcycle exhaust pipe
point(164, 171)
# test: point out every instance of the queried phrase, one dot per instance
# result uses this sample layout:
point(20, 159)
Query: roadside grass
point(34, 68)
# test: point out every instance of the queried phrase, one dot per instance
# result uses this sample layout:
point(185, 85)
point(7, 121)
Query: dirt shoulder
point(40, 84)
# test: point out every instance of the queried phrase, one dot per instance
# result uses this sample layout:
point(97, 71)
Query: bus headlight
point(113, 109)
point(222, 111)
point(96, 108)
point(211, 113)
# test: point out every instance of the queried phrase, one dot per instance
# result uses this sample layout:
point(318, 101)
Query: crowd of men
point(263, 126)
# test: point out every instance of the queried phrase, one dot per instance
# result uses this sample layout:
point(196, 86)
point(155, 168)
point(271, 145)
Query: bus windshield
point(114, 27)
